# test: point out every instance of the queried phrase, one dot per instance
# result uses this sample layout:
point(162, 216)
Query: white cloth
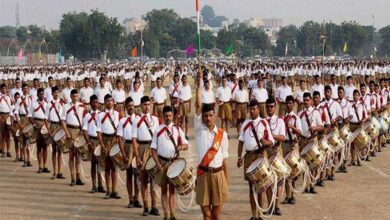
point(140, 130)
point(104, 124)
point(262, 130)
point(162, 142)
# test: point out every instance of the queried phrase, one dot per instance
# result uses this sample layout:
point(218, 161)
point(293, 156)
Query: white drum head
point(150, 164)
point(44, 130)
point(114, 150)
point(97, 151)
point(8, 121)
point(17, 134)
point(307, 148)
point(134, 163)
point(176, 168)
point(27, 128)
point(59, 135)
point(255, 164)
point(80, 141)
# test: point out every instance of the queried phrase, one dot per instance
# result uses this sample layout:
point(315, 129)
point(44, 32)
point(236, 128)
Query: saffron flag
point(190, 50)
point(20, 54)
point(345, 48)
point(134, 52)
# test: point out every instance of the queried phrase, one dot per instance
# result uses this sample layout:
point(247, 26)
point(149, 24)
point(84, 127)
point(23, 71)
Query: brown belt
point(210, 169)
point(72, 126)
point(187, 101)
point(241, 103)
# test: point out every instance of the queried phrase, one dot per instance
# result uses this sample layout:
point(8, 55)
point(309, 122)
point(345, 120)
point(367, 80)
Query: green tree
point(208, 15)
point(287, 35)
point(384, 46)
point(309, 39)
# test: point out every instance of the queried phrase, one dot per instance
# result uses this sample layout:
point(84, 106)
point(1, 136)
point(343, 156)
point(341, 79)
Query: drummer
point(124, 133)
point(278, 131)
point(359, 116)
point(71, 123)
point(346, 109)
point(37, 118)
point(14, 128)
point(107, 122)
point(294, 130)
point(90, 135)
point(5, 110)
point(53, 114)
point(311, 124)
point(168, 141)
point(334, 112)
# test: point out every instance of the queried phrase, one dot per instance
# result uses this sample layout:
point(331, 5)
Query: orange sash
point(209, 156)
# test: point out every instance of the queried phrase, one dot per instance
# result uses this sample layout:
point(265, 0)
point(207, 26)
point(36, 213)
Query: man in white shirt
point(185, 96)
point(119, 96)
point(241, 98)
point(107, 122)
point(17, 88)
point(34, 90)
point(224, 95)
point(136, 94)
point(101, 91)
point(168, 141)
point(261, 95)
point(346, 114)
point(5, 112)
point(124, 133)
point(85, 93)
point(299, 95)
point(71, 122)
point(280, 95)
point(37, 116)
point(65, 95)
point(334, 86)
point(159, 95)
point(48, 90)
point(349, 88)
point(174, 95)
point(208, 96)
point(212, 149)
point(317, 87)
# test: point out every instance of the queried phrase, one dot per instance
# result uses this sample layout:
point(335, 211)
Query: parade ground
point(362, 193)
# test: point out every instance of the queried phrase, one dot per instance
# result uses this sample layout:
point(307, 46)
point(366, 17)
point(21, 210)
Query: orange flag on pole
point(134, 52)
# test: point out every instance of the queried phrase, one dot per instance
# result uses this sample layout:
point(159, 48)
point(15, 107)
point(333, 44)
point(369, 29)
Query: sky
point(48, 12)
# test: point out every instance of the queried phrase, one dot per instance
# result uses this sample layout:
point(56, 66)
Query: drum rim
point(115, 146)
point(58, 132)
point(177, 162)
point(262, 162)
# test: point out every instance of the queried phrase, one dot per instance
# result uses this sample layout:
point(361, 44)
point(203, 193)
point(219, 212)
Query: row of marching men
point(141, 144)
point(313, 143)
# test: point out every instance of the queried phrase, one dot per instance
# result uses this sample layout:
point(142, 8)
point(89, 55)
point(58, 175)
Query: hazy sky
point(49, 12)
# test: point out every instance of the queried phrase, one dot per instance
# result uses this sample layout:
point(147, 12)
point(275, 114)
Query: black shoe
point(358, 163)
point(173, 218)
point(320, 183)
point(72, 183)
point(93, 190)
point(45, 170)
point(60, 176)
point(9, 154)
point(379, 150)
point(291, 201)
point(344, 170)
point(154, 211)
point(353, 163)
point(277, 212)
point(286, 200)
point(340, 169)
point(21, 159)
point(101, 189)
point(384, 144)
point(108, 195)
point(39, 170)
point(79, 182)
point(29, 164)
point(312, 190)
point(253, 218)
point(146, 212)
point(373, 154)
point(24, 164)
point(137, 204)
point(131, 204)
point(331, 177)
point(188, 138)
point(368, 159)
point(115, 195)
point(307, 190)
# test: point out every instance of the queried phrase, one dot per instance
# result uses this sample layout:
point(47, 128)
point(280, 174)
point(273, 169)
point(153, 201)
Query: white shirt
point(208, 96)
point(34, 93)
point(314, 117)
point(22, 106)
point(204, 139)
point(319, 88)
point(136, 96)
point(48, 94)
point(184, 93)
point(101, 92)
point(260, 94)
point(5, 103)
point(282, 92)
point(345, 108)
point(334, 109)
point(335, 92)
point(159, 95)
point(125, 127)
point(38, 109)
point(52, 108)
point(300, 95)
point(262, 130)
point(174, 90)
point(85, 94)
point(119, 96)
point(140, 130)
point(241, 96)
point(104, 124)
point(90, 123)
point(224, 94)
point(358, 112)
point(15, 90)
point(66, 94)
point(162, 142)
point(349, 92)
point(277, 125)
point(293, 120)
point(69, 114)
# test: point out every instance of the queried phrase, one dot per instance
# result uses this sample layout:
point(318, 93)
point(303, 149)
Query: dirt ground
point(362, 193)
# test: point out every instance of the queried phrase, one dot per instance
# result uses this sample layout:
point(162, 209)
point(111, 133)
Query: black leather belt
point(128, 141)
point(4, 113)
point(39, 119)
point(165, 159)
point(93, 138)
point(210, 169)
point(55, 122)
point(109, 135)
point(72, 126)
point(257, 151)
point(144, 142)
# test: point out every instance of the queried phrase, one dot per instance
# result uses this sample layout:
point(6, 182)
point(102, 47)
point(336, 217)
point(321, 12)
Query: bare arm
point(198, 94)
point(239, 153)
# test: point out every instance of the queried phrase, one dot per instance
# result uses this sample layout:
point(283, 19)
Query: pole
point(198, 30)
point(142, 48)
point(373, 36)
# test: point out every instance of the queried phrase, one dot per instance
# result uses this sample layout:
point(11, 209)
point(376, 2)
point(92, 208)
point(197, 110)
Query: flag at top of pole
point(198, 25)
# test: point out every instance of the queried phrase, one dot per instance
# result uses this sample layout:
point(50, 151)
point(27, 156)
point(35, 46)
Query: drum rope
point(181, 205)
point(360, 155)
point(285, 176)
point(122, 183)
point(273, 200)
point(86, 177)
point(304, 183)
point(31, 148)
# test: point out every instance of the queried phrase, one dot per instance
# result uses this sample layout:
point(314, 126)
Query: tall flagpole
point(198, 30)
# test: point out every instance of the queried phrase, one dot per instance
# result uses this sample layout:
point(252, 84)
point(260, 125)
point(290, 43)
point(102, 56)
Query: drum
point(346, 134)
point(386, 116)
point(296, 164)
point(282, 169)
point(150, 166)
point(60, 139)
point(260, 174)
point(313, 156)
point(45, 132)
point(116, 156)
point(335, 141)
point(384, 126)
point(28, 132)
point(98, 153)
point(181, 176)
point(325, 147)
point(372, 127)
point(8, 121)
point(81, 146)
point(362, 139)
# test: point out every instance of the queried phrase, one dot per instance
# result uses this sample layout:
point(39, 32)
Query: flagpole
point(198, 30)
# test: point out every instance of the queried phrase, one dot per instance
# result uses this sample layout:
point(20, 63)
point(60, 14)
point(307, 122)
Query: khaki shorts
point(73, 132)
point(144, 154)
point(161, 178)
point(263, 112)
point(158, 109)
point(288, 147)
point(241, 110)
point(212, 189)
point(225, 111)
point(282, 109)
point(3, 126)
point(184, 108)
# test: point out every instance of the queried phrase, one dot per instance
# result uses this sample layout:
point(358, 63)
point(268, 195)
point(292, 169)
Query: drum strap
point(111, 122)
point(175, 89)
point(24, 105)
point(77, 116)
point(287, 119)
point(173, 141)
point(144, 119)
point(213, 150)
point(255, 135)
point(53, 105)
point(308, 122)
point(356, 112)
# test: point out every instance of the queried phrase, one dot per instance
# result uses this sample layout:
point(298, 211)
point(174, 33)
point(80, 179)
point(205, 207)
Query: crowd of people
point(278, 109)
